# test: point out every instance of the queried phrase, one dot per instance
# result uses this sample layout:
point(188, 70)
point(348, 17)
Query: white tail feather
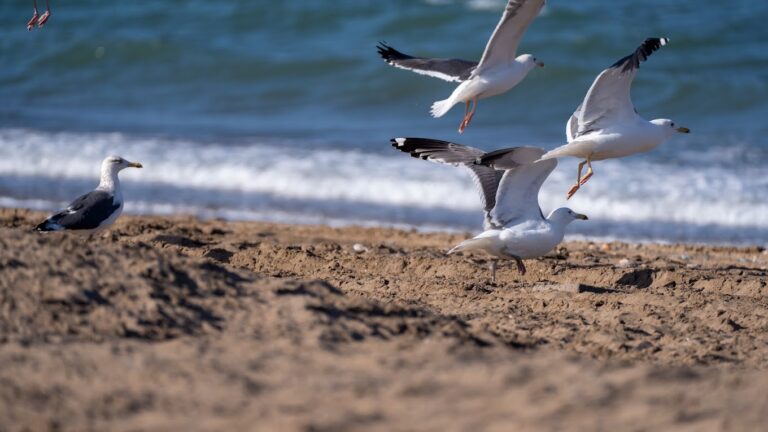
point(484, 243)
point(575, 148)
point(558, 152)
point(441, 107)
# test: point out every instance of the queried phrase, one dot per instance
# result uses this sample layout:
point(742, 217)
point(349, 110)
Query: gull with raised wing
point(606, 124)
point(96, 210)
point(508, 181)
point(499, 68)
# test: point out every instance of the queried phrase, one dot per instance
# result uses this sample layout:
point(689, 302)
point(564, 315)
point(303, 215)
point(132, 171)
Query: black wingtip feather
point(390, 54)
point(489, 159)
point(641, 54)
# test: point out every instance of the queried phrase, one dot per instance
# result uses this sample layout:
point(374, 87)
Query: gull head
point(115, 164)
point(669, 127)
point(530, 61)
point(563, 216)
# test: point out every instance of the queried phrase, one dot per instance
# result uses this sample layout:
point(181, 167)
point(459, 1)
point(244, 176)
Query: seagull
point(497, 72)
point(508, 181)
point(96, 210)
point(38, 19)
point(606, 124)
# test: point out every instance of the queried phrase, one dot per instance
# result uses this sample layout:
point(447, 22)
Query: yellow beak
point(581, 216)
point(135, 165)
point(683, 130)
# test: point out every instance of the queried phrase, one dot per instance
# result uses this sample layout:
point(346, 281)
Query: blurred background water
point(283, 111)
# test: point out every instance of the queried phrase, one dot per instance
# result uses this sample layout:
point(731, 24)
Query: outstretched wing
point(502, 46)
point(486, 178)
point(446, 69)
point(608, 99)
point(488, 170)
point(517, 198)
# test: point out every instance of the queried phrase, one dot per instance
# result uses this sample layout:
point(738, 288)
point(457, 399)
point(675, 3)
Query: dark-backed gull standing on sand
point(497, 72)
point(508, 181)
point(606, 125)
point(96, 210)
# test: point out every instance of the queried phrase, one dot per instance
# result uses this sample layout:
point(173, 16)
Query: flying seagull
point(508, 181)
point(606, 124)
point(38, 19)
point(497, 72)
point(96, 210)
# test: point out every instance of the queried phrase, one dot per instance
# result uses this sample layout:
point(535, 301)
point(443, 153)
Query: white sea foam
point(291, 182)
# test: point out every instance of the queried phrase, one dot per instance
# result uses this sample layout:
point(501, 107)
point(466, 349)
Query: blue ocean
point(282, 111)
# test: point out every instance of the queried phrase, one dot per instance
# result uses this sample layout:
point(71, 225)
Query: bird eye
point(673, 124)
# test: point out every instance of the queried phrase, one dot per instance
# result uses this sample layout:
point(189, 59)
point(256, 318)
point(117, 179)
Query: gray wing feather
point(486, 178)
point(572, 127)
point(446, 69)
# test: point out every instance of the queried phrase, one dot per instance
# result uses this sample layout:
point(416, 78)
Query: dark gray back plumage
point(443, 68)
point(86, 212)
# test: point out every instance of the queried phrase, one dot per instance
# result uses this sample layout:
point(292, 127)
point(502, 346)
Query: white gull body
point(488, 82)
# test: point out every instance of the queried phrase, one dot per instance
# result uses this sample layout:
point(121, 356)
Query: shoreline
point(171, 322)
point(403, 226)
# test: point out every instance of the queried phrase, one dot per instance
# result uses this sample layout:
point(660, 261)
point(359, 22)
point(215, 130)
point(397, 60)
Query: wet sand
point(178, 324)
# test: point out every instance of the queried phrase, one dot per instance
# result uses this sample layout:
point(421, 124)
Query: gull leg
point(463, 123)
point(35, 16)
point(578, 181)
point(44, 18)
point(520, 265)
point(518, 261)
point(468, 117)
point(589, 173)
point(492, 267)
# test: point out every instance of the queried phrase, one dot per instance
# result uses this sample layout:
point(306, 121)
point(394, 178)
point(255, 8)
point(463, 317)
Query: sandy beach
point(177, 324)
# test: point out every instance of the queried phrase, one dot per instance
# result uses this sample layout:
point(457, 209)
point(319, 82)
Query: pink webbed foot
point(44, 18)
point(33, 21)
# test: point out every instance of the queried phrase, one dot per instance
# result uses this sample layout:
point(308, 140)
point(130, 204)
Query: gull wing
point(486, 178)
point(489, 171)
point(608, 99)
point(517, 198)
point(85, 212)
point(502, 46)
point(455, 70)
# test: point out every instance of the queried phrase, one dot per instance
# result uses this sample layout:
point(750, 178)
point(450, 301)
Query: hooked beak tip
point(683, 130)
point(582, 217)
point(540, 64)
point(135, 165)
